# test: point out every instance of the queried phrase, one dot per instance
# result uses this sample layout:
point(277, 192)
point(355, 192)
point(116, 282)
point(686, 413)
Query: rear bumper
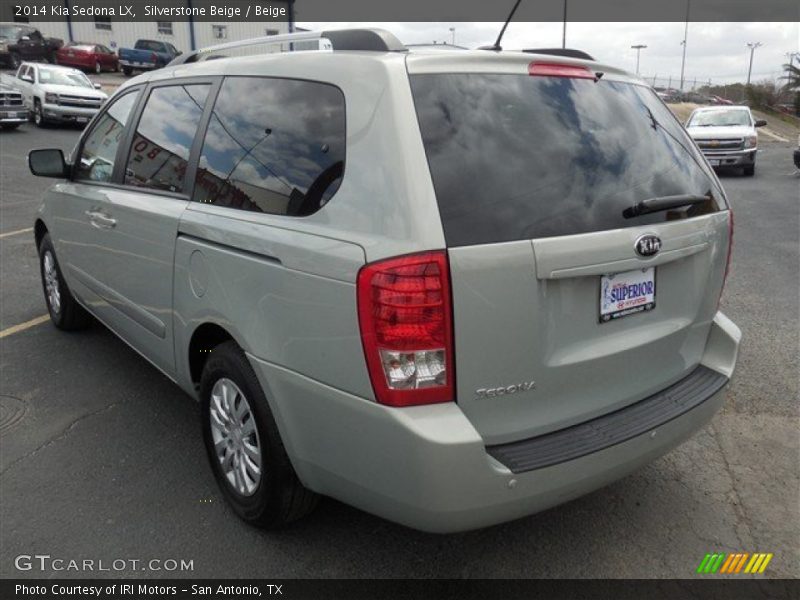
point(428, 468)
point(140, 66)
point(731, 159)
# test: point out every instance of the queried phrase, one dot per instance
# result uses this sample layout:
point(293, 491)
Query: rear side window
point(274, 146)
point(99, 151)
point(518, 157)
point(164, 137)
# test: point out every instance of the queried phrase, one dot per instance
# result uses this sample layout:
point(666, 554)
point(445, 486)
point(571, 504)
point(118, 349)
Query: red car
point(90, 57)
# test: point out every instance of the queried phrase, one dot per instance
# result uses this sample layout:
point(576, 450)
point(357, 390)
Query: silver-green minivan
point(451, 288)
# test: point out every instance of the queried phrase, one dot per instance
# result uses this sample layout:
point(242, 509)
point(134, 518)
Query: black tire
point(68, 315)
point(38, 114)
point(10, 127)
point(127, 71)
point(279, 498)
point(97, 68)
point(749, 171)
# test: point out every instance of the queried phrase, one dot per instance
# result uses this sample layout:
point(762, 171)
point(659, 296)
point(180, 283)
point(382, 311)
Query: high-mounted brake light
point(558, 70)
point(405, 315)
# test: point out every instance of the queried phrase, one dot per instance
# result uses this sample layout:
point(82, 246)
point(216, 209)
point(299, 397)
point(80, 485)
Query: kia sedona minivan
point(450, 288)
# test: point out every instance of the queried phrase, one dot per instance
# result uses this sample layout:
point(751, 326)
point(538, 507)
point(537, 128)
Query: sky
point(715, 50)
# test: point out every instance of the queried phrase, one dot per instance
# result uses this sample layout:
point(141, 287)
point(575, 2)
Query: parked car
point(727, 136)
point(721, 100)
point(89, 57)
point(20, 42)
point(146, 55)
point(386, 293)
point(12, 111)
point(56, 94)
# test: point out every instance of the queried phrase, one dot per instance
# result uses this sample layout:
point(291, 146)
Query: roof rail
point(560, 52)
point(374, 40)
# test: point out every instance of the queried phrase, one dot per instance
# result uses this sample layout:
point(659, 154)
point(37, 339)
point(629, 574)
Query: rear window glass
point(518, 157)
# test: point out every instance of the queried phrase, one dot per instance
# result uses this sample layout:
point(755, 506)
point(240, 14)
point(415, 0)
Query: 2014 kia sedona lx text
point(450, 288)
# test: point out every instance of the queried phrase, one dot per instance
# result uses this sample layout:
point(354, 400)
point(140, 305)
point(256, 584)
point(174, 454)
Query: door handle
point(98, 219)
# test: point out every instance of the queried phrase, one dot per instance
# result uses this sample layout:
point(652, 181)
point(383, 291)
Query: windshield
point(720, 118)
point(9, 32)
point(518, 157)
point(61, 77)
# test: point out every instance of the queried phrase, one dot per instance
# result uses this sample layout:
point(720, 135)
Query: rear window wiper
point(660, 203)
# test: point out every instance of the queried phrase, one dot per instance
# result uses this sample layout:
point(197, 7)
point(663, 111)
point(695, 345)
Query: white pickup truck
point(56, 94)
point(726, 135)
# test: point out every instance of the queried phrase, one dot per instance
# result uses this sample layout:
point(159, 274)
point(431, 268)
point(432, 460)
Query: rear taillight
point(154, 57)
point(730, 251)
point(558, 70)
point(405, 316)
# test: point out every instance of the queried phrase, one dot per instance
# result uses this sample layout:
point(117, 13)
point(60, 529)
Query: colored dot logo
point(734, 563)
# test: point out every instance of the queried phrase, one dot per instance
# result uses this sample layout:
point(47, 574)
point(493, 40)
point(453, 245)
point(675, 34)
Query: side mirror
point(760, 123)
point(48, 163)
point(97, 86)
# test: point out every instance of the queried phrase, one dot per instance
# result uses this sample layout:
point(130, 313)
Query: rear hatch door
point(558, 318)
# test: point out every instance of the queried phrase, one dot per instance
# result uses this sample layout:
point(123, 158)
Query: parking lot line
point(17, 232)
point(23, 326)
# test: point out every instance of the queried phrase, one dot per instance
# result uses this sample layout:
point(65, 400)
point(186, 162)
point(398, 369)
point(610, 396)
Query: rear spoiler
point(570, 52)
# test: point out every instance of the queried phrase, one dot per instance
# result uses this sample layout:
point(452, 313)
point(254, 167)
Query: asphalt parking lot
point(101, 456)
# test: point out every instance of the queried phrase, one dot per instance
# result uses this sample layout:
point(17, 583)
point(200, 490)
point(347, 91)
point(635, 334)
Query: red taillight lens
point(557, 70)
point(406, 322)
point(154, 57)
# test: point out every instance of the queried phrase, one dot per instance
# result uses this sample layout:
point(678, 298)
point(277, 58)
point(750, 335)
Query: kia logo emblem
point(648, 245)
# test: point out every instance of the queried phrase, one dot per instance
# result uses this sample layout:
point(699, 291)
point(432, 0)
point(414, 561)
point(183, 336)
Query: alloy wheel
point(235, 437)
point(51, 284)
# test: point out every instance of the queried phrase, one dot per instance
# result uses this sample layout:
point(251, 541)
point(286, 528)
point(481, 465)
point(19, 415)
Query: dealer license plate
point(628, 293)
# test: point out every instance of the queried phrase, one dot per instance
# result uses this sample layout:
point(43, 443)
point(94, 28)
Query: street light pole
point(752, 46)
point(638, 48)
point(453, 32)
point(685, 37)
point(564, 30)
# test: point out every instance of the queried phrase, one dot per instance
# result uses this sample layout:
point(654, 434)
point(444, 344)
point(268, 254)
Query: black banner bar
point(404, 10)
point(354, 589)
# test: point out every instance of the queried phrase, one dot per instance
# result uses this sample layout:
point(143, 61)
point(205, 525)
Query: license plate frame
point(714, 162)
point(635, 293)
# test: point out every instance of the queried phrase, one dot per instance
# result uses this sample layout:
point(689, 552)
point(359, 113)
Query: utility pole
point(638, 48)
point(453, 32)
point(685, 37)
point(564, 30)
point(752, 46)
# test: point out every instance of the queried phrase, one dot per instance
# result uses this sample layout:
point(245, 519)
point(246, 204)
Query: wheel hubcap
point(51, 282)
point(235, 437)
